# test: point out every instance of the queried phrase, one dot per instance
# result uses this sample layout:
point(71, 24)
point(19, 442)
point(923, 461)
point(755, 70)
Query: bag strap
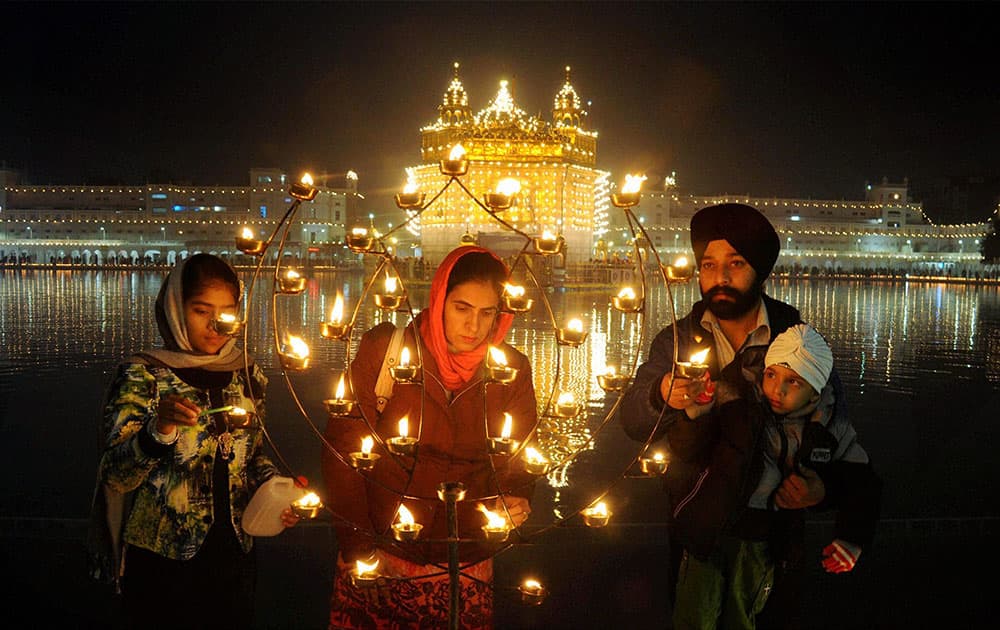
point(383, 386)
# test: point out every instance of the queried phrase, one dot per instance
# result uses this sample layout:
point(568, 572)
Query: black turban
point(746, 229)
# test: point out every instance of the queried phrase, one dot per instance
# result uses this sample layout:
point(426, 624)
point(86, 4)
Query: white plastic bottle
point(263, 516)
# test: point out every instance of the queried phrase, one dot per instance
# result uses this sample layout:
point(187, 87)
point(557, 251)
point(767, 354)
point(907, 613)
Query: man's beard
point(743, 302)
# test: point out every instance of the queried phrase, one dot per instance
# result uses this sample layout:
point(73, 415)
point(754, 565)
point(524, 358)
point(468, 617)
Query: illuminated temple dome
point(561, 190)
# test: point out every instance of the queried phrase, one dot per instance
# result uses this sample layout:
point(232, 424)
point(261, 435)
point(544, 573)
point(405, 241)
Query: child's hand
point(840, 556)
point(798, 492)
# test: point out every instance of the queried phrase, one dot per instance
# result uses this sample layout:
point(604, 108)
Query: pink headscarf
point(456, 368)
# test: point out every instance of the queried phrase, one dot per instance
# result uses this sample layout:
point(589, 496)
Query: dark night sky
point(787, 99)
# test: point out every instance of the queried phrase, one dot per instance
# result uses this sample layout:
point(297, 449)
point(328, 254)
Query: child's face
point(786, 390)
point(200, 310)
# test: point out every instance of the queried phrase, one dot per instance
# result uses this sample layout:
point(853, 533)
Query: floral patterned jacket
point(172, 507)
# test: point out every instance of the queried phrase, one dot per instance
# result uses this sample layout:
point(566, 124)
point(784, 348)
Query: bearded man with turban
point(731, 556)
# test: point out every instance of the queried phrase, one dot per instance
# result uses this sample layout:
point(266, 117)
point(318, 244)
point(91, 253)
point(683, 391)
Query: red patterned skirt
point(411, 596)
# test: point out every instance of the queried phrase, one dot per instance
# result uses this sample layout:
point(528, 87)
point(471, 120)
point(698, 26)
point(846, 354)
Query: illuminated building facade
point(561, 189)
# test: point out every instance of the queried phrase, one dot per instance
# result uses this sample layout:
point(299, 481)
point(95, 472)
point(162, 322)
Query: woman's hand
point(289, 518)
point(174, 411)
point(517, 509)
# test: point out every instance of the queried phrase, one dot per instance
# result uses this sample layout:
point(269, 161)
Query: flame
point(575, 324)
point(404, 426)
point(390, 283)
point(404, 357)
point(633, 183)
point(547, 235)
point(237, 411)
point(361, 568)
point(307, 179)
point(227, 318)
point(310, 499)
point(609, 370)
point(658, 457)
point(508, 422)
point(498, 356)
point(411, 182)
point(534, 456)
point(681, 261)
point(337, 312)
point(298, 346)
point(457, 152)
point(532, 585)
point(359, 231)
point(508, 186)
point(493, 520)
point(513, 290)
point(699, 357)
point(405, 517)
point(600, 510)
point(627, 293)
point(367, 443)
point(291, 274)
point(565, 398)
point(247, 233)
point(340, 389)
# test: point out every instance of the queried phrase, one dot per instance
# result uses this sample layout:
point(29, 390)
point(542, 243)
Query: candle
point(514, 299)
point(629, 195)
point(572, 335)
point(403, 444)
point(291, 283)
point(548, 243)
point(336, 328)
point(496, 528)
point(294, 354)
point(679, 271)
point(655, 465)
point(534, 462)
point(503, 445)
point(532, 592)
point(404, 372)
point(227, 324)
point(390, 299)
point(247, 244)
point(359, 241)
point(596, 515)
point(456, 165)
point(612, 382)
point(365, 574)
point(566, 406)
point(365, 459)
point(307, 506)
point(497, 369)
point(339, 405)
point(696, 367)
point(626, 301)
point(405, 528)
point(303, 189)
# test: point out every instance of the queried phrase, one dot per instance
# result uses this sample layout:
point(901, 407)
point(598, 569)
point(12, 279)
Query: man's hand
point(517, 507)
point(800, 491)
point(840, 556)
point(694, 395)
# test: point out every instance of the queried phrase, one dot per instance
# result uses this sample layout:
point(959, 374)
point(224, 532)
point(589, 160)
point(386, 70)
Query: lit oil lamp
point(390, 299)
point(247, 244)
point(364, 459)
point(227, 324)
point(336, 328)
point(365, 574)
point(238, 418)
point(504, 195)
point(566, 406)
point(403, 444)
point(612, 382)
point(496, 528)
point(451, 491)
point(534, 462)
point(572, 335)
point(503, 445)
point(514, 299)
point(303, 189)
point(655, 465)
point(679, 271)
point(294, 354)
point(456, 165)
point(627, 301)
point(548, 243)
point(497, 369)
point(410, 198)
point(629, 195)
point(308, 506)
point(596, 515)
point(696, 367)
point(532, 592)
point(339, 405)
point(404, 371)
point(406, 528)
point(291, 283)
point(359, 240)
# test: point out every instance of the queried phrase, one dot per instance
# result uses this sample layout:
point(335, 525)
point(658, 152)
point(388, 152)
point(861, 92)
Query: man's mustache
point(727, 291)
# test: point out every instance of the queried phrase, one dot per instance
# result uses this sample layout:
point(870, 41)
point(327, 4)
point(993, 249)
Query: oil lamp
point(227, 324)
point(247, 244)
point(359, 240)
point(364, 459)
point(403, 444)
point(696, 367)
point(503, 445)
point(532, 592)
point(514, 299)
point(456, 165)
point(534, 462)
point(336, 328)
point(496, 528)
point(548, 243)
point(294, 354)
point(365, 574)
point(308, 506)
point(504, 195)
point(291, 283)
point(612, 382)
point(410, 198)
point(678, 272)
point(404, 371)
point(566, 406)
point(238, 418)
point(655, 465)
point(497, 369)
point(339, 405)
point(572, 335)
point(451, 491)
point(596, 515)
point(629, 195)
point(390, 299)
point(303, 189)
point(627, 301)
point(406, 528)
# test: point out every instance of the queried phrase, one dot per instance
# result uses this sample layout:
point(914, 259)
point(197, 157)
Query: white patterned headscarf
point(177, 351)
